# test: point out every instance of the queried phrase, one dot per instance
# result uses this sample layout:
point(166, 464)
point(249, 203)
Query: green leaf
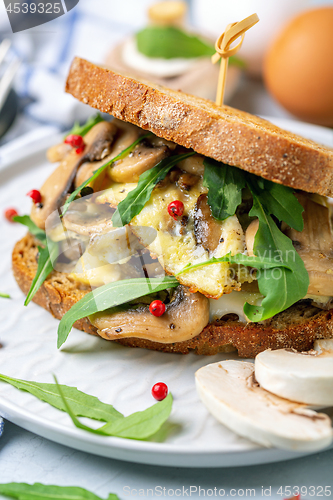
point(142, 424)
point(237, 61)
point(139, 425)
point(282, 287)
point(111, 295)
point(47, 255)
point(83, 129)
point(33, 229)
point(4, 295)
point(83, 405)
point(169, 42)
point(138, 197)
point(281, 274)
point(225, 185)
point(243, 260)
point(278, 200)
point(45, 267)
point(38, 491)
point(97, 172)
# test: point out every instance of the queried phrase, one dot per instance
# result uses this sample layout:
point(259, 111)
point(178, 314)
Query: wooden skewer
point(224, 51)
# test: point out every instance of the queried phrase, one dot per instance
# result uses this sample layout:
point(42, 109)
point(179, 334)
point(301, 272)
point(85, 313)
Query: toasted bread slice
point(297, 327)
point(223, 133)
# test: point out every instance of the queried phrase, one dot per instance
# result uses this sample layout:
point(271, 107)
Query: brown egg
point(298, 67)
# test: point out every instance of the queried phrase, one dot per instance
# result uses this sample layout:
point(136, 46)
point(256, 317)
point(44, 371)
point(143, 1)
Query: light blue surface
point(29, 458)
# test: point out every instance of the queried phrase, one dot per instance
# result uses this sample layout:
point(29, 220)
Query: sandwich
point(194, 227)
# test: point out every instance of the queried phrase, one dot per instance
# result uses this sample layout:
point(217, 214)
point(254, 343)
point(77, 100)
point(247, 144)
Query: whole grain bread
point(297, 327)
point(223, 133)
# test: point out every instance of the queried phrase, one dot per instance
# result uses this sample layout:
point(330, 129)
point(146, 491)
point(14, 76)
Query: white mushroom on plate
point(230, 392)
point(306, 377)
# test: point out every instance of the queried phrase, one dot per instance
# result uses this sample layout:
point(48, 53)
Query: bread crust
point(223, 133)
point(296, 328)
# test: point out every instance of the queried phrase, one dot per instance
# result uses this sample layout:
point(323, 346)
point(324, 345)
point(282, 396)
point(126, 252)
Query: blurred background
point(284, 68)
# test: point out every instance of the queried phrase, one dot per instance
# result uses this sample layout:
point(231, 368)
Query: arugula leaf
point(278, 200)
point(83, 405)
point(225, 184)
point(281, 274)
point(39, 491)
point(83, 129)
point(281, 287)
point(169, 42)
point(138, 197)
point(241, 259)
point(47, 255)
point(111, 295)
point(33, 229)
point(46, 258)
point(97, 172)
point(139, 425)
point(4, 295)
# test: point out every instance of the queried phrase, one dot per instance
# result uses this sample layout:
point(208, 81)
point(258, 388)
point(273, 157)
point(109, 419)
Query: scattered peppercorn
point(35, 195)
point(176, 209)
point(80, 150)
point(157, 308)
point(76, 141)
point(159, 391)
point(86, 191)
point(10, 213)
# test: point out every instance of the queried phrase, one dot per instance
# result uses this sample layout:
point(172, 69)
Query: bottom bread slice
point(297, 327)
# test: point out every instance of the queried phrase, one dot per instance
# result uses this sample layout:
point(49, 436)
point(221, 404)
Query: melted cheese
point(116, 193)
point(233, 303)
point(93, 271)
point(176, 246)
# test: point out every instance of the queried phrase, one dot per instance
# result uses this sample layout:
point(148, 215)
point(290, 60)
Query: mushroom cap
point(306, 377)
point(230, 392)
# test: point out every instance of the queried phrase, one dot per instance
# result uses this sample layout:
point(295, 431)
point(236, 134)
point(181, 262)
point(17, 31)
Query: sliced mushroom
point(305, 377)
point(58, 152)
point(250, 235)
point(142, 158)
point(87, 218)
point(56, 187)
point(317, 233)
point(99, 142)
point(230, 392)
point(315, 245)
point(126, 135)
point(159, 141)
point(186, 181)
point(207, 230)
point(320, 269)
point(184, 318)
point(193, 165)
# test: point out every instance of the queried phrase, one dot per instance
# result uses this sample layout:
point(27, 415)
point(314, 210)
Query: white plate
point(117, 375)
